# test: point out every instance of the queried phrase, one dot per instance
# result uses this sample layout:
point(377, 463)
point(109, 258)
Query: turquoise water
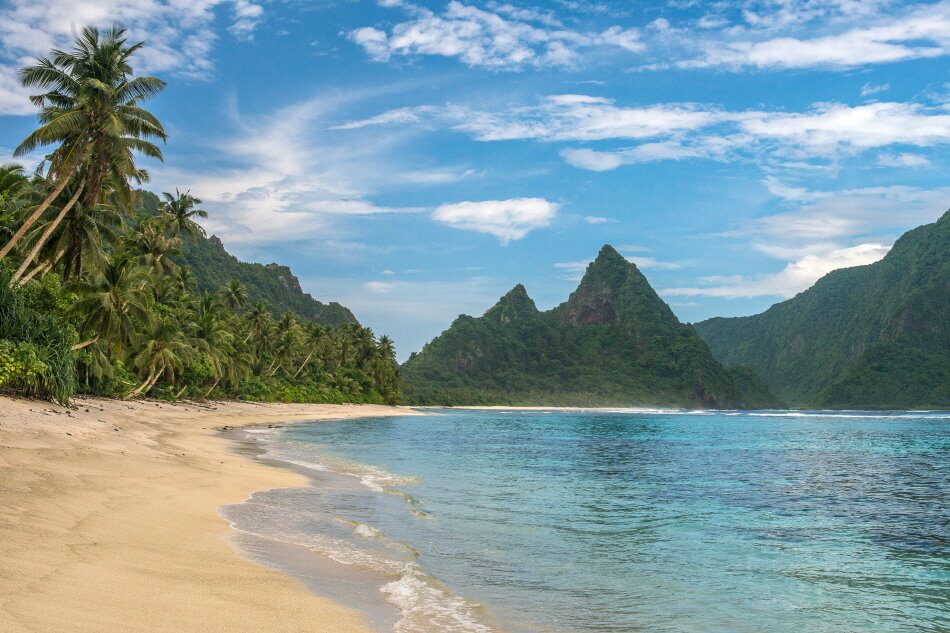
point(623, 521)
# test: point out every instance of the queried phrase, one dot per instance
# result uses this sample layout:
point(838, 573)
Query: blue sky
point(415, 160)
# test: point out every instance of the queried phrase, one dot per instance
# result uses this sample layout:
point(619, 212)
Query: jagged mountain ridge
point(874, 336)
point(613, 342)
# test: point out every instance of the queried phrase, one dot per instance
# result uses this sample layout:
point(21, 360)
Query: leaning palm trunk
point(64, 180)
point(48, 265)
point(46, 235)
point(303, 364)
point(79, 346)
point(213, 386)
point(145, 386)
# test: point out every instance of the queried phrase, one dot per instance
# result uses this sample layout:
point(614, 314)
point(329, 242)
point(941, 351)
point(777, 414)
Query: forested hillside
point(614, 342)
point(875, 336)
point(213, 267)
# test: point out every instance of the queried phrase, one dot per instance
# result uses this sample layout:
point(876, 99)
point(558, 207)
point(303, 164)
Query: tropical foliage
point(96, 291)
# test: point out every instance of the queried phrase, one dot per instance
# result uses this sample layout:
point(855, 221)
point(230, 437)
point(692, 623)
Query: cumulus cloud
point(179, 35)
point(502, 37)
point(505, 219)
point(797, 275)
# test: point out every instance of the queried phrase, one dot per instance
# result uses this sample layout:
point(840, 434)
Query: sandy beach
point(108, 520)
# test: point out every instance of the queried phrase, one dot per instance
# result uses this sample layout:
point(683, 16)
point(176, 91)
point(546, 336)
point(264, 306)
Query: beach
point(109, 522)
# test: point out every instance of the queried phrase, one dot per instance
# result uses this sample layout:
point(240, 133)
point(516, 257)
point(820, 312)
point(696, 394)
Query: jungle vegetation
point(109, 290)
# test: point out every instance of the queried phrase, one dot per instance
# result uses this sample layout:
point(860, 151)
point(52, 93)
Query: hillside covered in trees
point(213, 267)
point(613, 342)
point(108, 290)
point(868, 337)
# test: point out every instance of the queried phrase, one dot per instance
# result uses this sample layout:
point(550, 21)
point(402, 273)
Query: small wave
point(374, 478)
point(425, 605)
point(908, 415)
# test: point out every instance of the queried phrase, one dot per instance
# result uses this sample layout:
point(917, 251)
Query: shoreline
point(108, 519)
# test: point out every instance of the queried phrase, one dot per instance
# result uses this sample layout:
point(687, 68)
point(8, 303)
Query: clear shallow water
point(597, 521)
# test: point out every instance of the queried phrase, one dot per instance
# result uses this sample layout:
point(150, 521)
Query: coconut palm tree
point(90, 112)
point(313, 337)
point(154, 248)
point(234, 294)
point(161, 352)
point(178, 212)
point(258, 321)
point(112, 302)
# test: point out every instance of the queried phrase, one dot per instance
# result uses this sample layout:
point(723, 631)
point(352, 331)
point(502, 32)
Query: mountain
point(868, 337)
point(613, 342)
point(214, 267)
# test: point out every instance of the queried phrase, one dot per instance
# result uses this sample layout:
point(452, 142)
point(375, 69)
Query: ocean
point(615, 520)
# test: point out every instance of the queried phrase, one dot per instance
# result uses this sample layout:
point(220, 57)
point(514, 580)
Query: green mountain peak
point(514, 305)
point(613, 290)
point(613, 342)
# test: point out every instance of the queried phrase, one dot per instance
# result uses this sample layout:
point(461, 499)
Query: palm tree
point(112, 301)
point(313, 337)
point(90, 111)
point(178, 212)
point(80, 241)
point(13, 181)
point(234, 294)
point(161, 352)
point(154, 248)
point(15, 192)
point(258, 321)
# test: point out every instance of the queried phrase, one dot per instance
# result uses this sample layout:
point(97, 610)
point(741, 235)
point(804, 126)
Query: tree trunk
point(208, 393)
point(43, 267)
point(139, 389)
point(304, 364)
point(33, 218)
point(85, 343)
point(49, 231)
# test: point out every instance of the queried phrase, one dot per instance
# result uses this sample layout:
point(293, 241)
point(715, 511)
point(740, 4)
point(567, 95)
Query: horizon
point(415, 161)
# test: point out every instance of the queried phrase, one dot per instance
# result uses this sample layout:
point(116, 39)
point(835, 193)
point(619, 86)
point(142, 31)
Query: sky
point(416, 160)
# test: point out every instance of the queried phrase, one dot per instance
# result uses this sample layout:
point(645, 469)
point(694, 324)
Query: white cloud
point(861, 36)
point(379, 287)
point(399, 115)
point(178, 35)
point(505, 219)
point(869, 89)
point(846, 213)
point(287, 179)
point(650, 262)
point(903, 160)
point(596, 219)
point(584, 158)
point(797, 275)
point(677, 131)
point(504, 37)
